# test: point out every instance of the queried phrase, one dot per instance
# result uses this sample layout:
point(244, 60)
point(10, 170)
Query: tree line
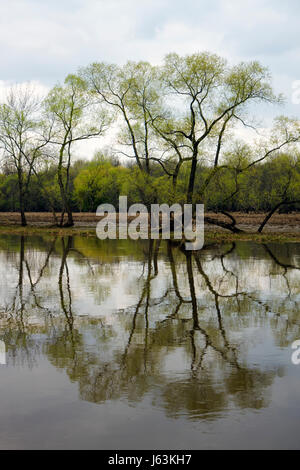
point(176, 140)
point(104, 179)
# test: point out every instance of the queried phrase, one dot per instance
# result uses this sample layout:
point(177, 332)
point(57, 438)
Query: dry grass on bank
point(282, 227)
point(249, 222)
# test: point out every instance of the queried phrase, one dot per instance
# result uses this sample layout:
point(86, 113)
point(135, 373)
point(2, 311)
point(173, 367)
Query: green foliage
point(147, 189)
point(99, 182)
point(103, 180)
point(176, 126)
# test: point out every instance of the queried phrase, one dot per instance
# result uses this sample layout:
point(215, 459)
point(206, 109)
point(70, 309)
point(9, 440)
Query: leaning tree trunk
point(272, 212)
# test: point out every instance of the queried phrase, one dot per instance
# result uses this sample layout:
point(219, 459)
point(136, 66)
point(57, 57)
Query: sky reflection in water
point(119, 344)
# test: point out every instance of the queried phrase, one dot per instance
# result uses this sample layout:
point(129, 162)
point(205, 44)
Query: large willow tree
point(184, 112)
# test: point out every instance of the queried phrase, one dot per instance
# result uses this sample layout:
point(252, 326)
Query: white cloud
point(37, 87)
point(44, 41)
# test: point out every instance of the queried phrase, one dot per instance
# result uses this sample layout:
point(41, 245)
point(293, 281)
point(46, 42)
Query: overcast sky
point(44, 40)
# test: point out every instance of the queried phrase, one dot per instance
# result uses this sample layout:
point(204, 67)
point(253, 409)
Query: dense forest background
point(105, 178)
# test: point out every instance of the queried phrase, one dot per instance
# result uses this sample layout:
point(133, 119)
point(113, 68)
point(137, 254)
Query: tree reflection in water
point(187, 337)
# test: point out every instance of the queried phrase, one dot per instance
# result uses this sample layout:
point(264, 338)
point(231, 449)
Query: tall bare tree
point(73, 116)
point(21, 139)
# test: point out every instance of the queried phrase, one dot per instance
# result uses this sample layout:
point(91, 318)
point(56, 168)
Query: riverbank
point(245, 221)
point(282, 229)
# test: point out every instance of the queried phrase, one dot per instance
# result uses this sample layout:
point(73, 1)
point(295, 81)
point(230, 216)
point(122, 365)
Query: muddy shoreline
point(282, 228)
point(279, 223)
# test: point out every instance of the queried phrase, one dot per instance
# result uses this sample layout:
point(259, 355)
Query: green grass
point(278, 237)
point(46, 230)
point(215, 237)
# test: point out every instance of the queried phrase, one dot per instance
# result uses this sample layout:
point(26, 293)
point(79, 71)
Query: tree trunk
point(272, 211)
point(21, 199)
point(70, 221)
point(65, 199)
point(191, 186)
point(220, 223)
point(268, 216)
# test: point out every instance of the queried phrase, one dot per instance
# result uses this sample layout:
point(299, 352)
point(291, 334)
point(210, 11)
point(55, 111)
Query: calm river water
point(128, 345)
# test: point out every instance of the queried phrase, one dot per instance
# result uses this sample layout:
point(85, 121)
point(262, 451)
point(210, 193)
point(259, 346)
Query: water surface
point(127, 345)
